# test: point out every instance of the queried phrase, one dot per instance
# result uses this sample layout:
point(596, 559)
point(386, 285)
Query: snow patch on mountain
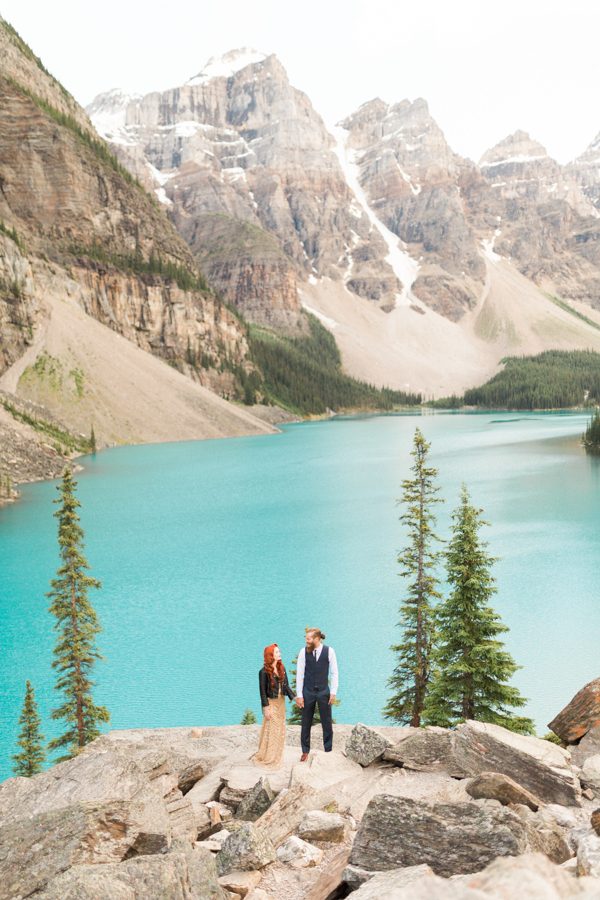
point(227, 65)
point(404, 266)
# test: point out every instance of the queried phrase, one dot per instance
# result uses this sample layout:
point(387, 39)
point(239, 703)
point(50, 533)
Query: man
point(316, 662)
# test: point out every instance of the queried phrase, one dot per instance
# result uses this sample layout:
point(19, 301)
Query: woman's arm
point(262, 686)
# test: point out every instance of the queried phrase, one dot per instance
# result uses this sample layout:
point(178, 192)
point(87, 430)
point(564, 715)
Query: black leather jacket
point(267, 690)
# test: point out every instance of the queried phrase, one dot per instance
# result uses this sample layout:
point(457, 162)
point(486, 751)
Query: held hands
point(331, 699)
point(267, 712)
point(300, 702)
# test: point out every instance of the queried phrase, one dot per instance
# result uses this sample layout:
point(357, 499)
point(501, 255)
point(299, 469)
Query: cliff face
point(79, 235)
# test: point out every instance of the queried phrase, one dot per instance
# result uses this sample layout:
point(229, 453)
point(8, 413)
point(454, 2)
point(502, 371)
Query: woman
point(273, 684)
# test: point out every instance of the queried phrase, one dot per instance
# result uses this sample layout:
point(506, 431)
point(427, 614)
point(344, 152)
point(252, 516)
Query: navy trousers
point(311, 700)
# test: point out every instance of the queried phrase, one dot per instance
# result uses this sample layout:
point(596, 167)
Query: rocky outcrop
point(156, 813)
point(540, 767)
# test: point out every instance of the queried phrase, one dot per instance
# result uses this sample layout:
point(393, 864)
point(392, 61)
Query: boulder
point(317, 825)
point(247, 848)
point(472, 748)
point(590, 774)
point(256, 801)
point(539, 766)
point(241, 883)
point(544, 835)
point(188, 777)
point(430, 749)
point(386, 885)
point(35, 849)
point(105, 775)
point(452, 838)
point(355, 876)
point(299, 854)
point(365, 745)
point(595, 821)
point(494, 786)
point(285, 813)
point(324, 770)
point(588, 855)
point(179, 875)
point(329, 881)
point(530, 876)
point(580, 715)
point(589, 745)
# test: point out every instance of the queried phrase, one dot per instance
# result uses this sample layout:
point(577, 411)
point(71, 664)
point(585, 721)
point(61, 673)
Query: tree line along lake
point(208, 551)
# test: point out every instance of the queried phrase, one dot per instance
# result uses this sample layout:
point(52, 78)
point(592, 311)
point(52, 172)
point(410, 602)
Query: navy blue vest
point(316, 672)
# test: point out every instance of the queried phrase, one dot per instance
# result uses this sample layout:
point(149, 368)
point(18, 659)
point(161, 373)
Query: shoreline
point(277, 415)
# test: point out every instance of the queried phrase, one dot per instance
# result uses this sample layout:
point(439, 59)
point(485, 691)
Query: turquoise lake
point(207, 551)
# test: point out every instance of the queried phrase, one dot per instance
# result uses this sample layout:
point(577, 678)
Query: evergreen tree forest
point(304, 374)
point(555, 379)
point(591, 437)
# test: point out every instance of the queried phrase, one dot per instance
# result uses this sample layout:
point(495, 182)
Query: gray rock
point(539, 766)
point(450, 837)
point(355, 876)
point(317, 825)
point(494, 786)
point(427, 750)
point(284, 815)
point(544, 835)
point(256, 801)
point(299, 854)
point(590, 773)
point(365, 745)
point(36, 849)
point(589, 745)
point(386, 885)
point(588, 855)
point(247, 848)
point(178, 875)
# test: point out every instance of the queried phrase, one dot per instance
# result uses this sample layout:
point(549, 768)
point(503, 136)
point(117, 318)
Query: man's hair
point(316, 631)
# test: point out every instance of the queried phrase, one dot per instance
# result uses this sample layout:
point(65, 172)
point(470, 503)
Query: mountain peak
point(228, 64)
point(517, 147)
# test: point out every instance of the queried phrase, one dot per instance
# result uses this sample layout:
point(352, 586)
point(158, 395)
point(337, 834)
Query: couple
point(316, 663)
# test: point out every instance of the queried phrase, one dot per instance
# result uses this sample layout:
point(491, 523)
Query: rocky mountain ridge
point(282, 213)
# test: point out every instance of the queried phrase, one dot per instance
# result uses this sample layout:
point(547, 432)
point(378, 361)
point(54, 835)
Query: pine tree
point(77, 625)
point(30, 760)
point(93, 446)
point(471, 668)
point(249, 718)
point(418, 561)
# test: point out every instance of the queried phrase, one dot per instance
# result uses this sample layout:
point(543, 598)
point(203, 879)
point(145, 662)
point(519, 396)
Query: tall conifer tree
point(418, 562)
point(77, 625)
point(31, 757)
point(471, 668)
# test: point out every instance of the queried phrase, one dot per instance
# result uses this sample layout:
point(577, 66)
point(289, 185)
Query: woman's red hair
point(269, 658)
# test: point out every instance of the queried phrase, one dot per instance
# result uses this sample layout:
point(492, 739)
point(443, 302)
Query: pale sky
point(485, 68)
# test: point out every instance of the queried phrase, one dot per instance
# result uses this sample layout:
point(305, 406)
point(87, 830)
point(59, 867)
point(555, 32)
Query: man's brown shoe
point(304, 757)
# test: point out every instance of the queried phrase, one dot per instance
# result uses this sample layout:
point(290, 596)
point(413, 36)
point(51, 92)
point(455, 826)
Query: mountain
point(106, 318)
point(426, 267)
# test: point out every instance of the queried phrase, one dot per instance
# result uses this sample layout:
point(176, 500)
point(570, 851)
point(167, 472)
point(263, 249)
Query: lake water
point(209, 550)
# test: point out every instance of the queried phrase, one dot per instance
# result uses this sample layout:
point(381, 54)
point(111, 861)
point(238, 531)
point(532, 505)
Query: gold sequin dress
point(272, 735)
